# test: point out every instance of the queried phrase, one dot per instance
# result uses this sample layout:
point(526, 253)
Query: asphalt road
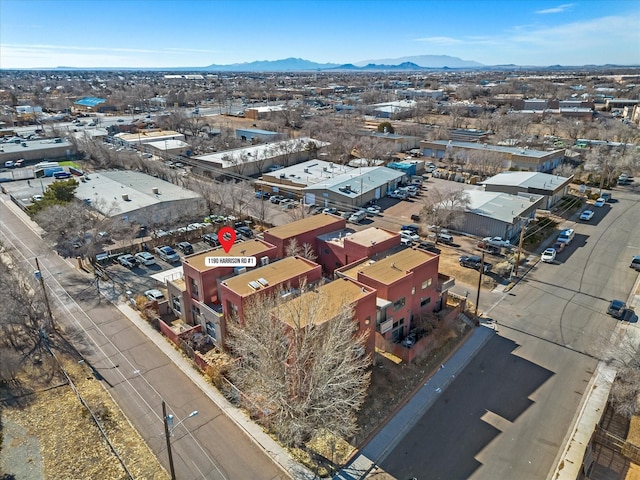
point(508, 413)
point(137, 374)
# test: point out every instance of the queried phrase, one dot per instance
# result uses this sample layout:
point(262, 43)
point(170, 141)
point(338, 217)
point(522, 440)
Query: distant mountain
point(285, 65)
point(426, 61)
point(375, 66)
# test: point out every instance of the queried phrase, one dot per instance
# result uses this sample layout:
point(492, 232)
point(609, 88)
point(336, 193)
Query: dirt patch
point(57, 436)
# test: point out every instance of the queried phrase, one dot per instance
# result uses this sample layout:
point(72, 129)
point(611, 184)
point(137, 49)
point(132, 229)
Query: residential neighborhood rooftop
point(275, 273)
point(334, 296)
point(306, 224)
point(250, 248)
point(391, 268)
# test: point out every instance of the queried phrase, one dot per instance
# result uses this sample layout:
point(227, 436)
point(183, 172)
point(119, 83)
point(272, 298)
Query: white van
point(566, 236)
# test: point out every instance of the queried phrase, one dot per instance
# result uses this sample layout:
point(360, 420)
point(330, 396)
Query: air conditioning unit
point(239, 270)
point(264, 261)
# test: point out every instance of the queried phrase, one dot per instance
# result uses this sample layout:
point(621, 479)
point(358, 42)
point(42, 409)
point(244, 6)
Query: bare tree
point(299, 370)
point(293, 248)
point(444, 208)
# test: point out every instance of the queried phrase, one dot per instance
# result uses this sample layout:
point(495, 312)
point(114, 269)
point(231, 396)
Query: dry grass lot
point(70, 444)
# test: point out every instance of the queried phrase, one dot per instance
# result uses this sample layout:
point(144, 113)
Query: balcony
point(445, 282)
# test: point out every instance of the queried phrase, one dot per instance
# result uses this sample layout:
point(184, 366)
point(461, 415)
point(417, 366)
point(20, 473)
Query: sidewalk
point(392, 433)
point(568, 465)
point(253, 430)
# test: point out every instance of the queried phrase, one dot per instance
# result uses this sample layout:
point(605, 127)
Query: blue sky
point(190, 33)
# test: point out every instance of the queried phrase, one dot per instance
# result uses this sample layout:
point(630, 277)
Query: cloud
point(558, 9)
point(441, 40)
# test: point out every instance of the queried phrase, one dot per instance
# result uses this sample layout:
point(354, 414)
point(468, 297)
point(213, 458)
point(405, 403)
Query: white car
point(497, 242)
point(154, 295)
point(145, 258)
point(409, 235)
point(586, 215)
point(599, 202)
point(548, 256)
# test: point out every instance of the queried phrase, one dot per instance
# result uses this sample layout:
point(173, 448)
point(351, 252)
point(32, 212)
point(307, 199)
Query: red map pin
point(226, 237)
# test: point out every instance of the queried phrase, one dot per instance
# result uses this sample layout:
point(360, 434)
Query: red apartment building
point(407, 285)
point(337, 249)
point(195, 297)
point(333, 296)
point(284, 274)
point(304, 231)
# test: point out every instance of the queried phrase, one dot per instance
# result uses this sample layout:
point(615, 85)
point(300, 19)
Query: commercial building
point(498, 214)
point(551, 187)
point(35, 150)
point(259, 158)
point(139, 198)
point(143, 137)
point(516, 158)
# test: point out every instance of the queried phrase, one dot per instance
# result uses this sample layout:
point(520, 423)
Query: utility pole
point(479, 282)
point(39, 277)
point(167, 435)
point(519, 249)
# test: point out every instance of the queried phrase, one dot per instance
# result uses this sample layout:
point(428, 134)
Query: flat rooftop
point(307, 173)
point(145, 136)
point(250, 248)
point(367, 237)
point(537, 180)
point(306, 224)
point(527, 152)
point(391, 268)
point(35, 145)
point(500, 206)
point(275, 273)
point(323, 303)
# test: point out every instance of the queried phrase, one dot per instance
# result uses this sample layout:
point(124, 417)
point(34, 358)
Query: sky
point(197, 33)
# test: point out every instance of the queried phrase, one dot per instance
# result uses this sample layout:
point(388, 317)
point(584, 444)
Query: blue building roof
point(90, 101)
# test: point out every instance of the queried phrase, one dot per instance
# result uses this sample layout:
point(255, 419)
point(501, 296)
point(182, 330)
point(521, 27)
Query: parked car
point(331, 210)
point(358, 216)
point(211, 239)
point(616, 308)
point(607, 196)
point(587, 215)
point(624, 179)
point(154, 295)
point(492, 249)
point(145, 258)
point(410, 234)
point(548, 256)
point(61, 175)
point(429, 246)
point(413, 227)
point(276, 199)
point(474, 261)
point(185, 247)
point(442, 237)
point(128, 261)
point(599, 202)
point(497, 241)
point(566, 236)
point(635, 263)
point(244, 232)
point(167, 254)
point(373, 210)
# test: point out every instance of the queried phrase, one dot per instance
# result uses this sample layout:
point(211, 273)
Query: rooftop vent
point(125, 197)
point(155, 190)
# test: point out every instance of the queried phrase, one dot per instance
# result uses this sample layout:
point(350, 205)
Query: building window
point(425, 301)
point(194, 287)
point(326, 251)
point(398, 304)
point(427, 283)
point(175, 304)
point(413, 290)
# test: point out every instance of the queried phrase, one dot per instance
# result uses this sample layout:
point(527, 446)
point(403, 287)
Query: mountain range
point(418, 62)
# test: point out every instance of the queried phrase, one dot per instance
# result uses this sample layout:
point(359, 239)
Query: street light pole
point(524, 226)
point(39, 277)
point(169, 427)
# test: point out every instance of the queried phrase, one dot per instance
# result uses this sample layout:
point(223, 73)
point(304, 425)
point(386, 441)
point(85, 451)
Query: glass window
point(427, 283)
point(398, 304)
